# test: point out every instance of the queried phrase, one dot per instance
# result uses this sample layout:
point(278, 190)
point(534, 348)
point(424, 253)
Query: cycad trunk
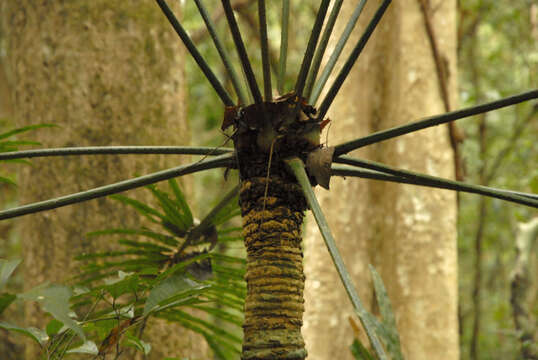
point(275, 280)
point(272, 206)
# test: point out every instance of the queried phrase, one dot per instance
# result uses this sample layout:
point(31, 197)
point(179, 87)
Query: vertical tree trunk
point(275, 280)
point(108, 73)
point(408, 233)
point(272, 206)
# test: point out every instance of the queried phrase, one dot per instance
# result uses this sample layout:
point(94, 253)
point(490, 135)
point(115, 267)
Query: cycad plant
point(279, 156)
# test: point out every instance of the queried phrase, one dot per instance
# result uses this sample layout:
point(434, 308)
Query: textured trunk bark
point(275, 280)
point(272, 206)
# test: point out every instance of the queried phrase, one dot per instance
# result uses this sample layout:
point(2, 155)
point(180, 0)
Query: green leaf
point(226, 216)
point(124, 284)
point(142, 208)
point(206, 324)
point(165, 239)
point(108, 254)
point(221, 314)
point(169, 290)
point(7, 181)
point(390, 334)
point(19, 143)
point(180, 266)
point(138, 344)
point(54, 299)
point(6, 300)
point(53, 327)
point(6, 269)
point(181, 201)
point(144, 245)
point(360, 352)
point(216, 339)
point(24, 129)
point(17, 161)
point(37, 335)
point(171, 210)
point(88, 347)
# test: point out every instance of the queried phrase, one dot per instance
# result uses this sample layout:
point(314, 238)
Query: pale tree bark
point(8, 343)
point(408, 233)
point(109, 73)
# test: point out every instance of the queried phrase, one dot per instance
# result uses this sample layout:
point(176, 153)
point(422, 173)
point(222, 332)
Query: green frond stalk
point(219, 161)
point(221, 91)
point(320, 50)
point(298, 169)
point(433, 121)
point(115, 150)
point(265, 51)
point(344, 72)
point(427, 180)
point(226, 60)
point(242, 52)
point(207, 222)
point(327, 70)
point(283, 46)
point(311, 47)
point(350, 171)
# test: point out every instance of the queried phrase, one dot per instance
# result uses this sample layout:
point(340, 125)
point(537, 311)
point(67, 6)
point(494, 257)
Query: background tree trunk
point(109, 73)
point(408, 233)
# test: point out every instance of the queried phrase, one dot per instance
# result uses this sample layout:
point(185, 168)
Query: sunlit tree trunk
point(108, 73)
point(8, 343)
point(408, 233)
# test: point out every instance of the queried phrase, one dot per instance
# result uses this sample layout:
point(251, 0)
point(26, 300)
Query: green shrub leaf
point(390, 335)
point(54, 299)
point(37, 335)
point(53, 327)
point(170, 290)
point(6, 300)
point(6, 269)
point(360, 352)
point(88, 347)
point(138, 344)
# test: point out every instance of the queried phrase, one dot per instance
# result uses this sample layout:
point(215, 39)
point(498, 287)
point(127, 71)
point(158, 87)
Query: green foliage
point(7, 143)
point(54, 299)
point(497, 55)
point(171, 266)
point(360, 352)
point(6, 269)
point(164, 272)
point(385, 327)
point(37, 335)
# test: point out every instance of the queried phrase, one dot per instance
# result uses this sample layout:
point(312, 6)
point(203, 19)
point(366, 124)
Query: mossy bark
point(109, 73)
point(272, 206)
point(275, 280)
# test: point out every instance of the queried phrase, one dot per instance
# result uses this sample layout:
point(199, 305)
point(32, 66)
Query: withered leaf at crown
point(286, 97)
point(251, 117)
point(324, 123)
point(318, 164)
point(230, 114)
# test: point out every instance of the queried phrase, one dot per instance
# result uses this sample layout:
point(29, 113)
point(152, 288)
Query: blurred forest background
point(497, 56)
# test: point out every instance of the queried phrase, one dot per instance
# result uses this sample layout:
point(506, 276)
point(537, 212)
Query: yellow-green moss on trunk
point(272, 206)
point(275, 280)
